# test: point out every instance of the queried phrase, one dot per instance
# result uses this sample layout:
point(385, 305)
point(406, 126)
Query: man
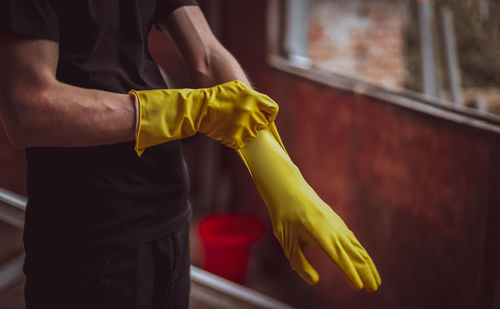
point(106, 228)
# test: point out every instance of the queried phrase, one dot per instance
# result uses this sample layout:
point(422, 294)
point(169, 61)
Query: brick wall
point(360, 39)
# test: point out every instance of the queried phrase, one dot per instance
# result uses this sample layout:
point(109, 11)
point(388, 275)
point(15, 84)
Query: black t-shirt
point(84, 199)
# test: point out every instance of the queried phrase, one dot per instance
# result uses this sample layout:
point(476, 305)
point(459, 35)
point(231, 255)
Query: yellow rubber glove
point(300, 217)
point(231, 113)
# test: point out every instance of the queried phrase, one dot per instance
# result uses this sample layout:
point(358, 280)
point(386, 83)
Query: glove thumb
point(302, 266)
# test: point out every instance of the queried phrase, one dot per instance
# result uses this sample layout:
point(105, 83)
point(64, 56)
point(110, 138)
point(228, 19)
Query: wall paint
point(421, 193)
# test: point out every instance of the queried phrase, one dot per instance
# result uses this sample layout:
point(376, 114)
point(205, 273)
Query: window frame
point(405, 98)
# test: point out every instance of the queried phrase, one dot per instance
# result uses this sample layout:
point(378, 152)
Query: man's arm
point(38, 110)
point(207, 61)
point(298, 215)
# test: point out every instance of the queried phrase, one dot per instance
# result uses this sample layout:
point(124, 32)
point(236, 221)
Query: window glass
point(446, 49)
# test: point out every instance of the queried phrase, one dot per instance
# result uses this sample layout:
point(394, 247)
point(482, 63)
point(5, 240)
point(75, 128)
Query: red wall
point(420, 192)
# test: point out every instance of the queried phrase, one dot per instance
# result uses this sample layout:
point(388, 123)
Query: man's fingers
point(270, 107)
point(302, 266)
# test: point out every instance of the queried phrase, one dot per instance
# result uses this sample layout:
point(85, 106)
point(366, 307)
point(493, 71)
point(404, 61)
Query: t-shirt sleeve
point(36, 18)
point(165, 7)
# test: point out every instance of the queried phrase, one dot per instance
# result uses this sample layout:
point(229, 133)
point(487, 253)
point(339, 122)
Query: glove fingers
point(265, 103)
point(338, 254)
point(269, 107)
point(374, 271)
point(260, 121)
point(244, 136)
point(350, 272)
point(363, 263)
point(369, 261)
point(302, 266)
point(246, 130)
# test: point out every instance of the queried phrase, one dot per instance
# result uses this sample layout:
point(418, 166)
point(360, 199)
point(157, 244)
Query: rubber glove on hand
point(301, 218)
point(231, 113)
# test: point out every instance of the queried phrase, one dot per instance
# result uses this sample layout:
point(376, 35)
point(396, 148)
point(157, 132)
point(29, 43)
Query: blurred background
point(391, 110)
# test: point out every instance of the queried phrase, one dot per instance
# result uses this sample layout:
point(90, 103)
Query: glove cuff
point(167, 115)
point(136, 109)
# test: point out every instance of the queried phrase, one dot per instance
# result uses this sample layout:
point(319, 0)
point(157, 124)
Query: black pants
point(153, 275)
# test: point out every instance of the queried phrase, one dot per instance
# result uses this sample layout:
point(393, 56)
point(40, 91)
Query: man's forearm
point(222, 67)
point(38, 110)
point(207, 61)
point(62, 115)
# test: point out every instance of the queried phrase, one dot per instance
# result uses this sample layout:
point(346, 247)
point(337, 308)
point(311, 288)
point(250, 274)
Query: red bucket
point(226, 241)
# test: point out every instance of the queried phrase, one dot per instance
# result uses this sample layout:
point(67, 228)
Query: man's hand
point(235, 112)
point(301, 218)
point(231, 113)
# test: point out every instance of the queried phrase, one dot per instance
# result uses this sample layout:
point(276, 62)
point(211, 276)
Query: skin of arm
point(207, 61)
point(38, 110)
